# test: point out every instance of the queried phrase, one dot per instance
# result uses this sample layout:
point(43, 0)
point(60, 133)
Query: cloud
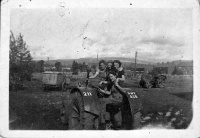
point(162, 40)
point(154, 33)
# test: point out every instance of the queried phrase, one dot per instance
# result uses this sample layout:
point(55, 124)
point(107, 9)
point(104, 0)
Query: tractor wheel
point(136, 118)
point(78, 118)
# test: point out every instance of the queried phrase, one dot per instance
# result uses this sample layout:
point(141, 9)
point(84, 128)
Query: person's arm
point(119, 87)
point(105, 82)
point(94, 76)
point(105, 91)
point(122, 78)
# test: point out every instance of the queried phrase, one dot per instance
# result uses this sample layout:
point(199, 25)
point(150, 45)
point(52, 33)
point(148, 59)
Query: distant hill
point(90, 61)
point(126, 61)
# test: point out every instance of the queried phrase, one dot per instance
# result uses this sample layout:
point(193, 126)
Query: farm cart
point(55, 80)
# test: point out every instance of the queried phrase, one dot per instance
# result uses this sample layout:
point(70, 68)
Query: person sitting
point(115, 98)
point(120, 71)
point(101, 74)
point(109, 68)
point(101, 71)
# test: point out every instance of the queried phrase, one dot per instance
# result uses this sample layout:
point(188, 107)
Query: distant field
point(181, 83)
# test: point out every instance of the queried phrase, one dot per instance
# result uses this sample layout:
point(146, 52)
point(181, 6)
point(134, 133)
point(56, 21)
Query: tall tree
point(20, 60)
point(58, 66)
point(74, 67)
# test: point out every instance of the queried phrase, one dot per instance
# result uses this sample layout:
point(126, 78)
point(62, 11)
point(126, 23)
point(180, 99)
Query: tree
point(94, 66)
point(58, 66)
point(20, 61)
point(39, 66)
point(74, 67)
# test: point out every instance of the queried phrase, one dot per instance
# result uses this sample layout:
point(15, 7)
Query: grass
point(36, 111)
point(33, 109)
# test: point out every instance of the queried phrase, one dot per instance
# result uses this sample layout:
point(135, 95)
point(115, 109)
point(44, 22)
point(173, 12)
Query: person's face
point(109, 65)
point(112, 77)
point(116, 65)
point(102, 66)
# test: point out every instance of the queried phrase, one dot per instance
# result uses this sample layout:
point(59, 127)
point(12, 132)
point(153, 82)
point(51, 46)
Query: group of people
point(106, 68)
point(111, 74)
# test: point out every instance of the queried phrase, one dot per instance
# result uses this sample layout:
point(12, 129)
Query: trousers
point(115, 100)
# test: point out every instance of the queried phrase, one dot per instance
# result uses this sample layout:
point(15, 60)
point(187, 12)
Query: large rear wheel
point(78, 118)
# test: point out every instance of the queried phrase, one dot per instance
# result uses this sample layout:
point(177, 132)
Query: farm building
point(144, 68)
point(161, 70)
point(167, 68)
point(186, 67)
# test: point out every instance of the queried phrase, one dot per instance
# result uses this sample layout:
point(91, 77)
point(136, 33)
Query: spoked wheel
point(80, 119)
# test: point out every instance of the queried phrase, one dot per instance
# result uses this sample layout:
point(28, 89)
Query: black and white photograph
point(68, 66)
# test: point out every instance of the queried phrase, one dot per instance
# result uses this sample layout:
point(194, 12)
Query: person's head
point(109, 64)
point(117, 64)
point(112, 76)
point(102, 64)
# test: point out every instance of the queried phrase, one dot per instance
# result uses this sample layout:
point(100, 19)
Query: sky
point(157, 34)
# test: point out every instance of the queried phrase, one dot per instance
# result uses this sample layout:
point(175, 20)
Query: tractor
point(148, 81)
point(83, 111)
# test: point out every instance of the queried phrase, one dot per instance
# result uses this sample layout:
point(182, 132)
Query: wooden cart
point(55, 79)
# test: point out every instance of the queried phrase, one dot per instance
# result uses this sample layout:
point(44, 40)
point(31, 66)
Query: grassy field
point(33, 109)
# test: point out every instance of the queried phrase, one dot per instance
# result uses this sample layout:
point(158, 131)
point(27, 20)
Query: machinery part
point(145, 81)
point(144, 84)
point(136, 120)
point(131, 111)
point(79, 119)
